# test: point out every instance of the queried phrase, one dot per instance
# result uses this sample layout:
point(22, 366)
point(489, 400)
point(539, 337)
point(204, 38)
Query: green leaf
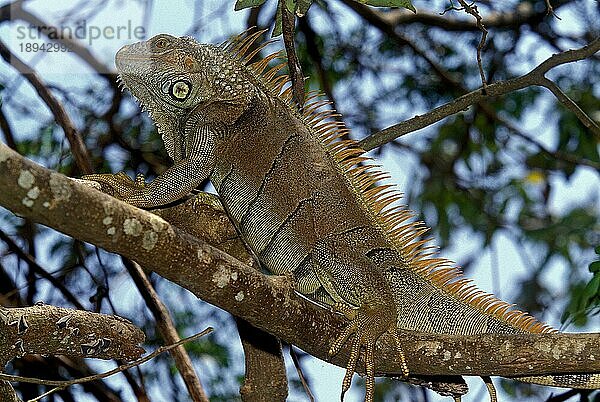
point(302, 7)
point(241, 4)
point(290, 5)
point(595, 266)
point(390, 3)
point(591, 289)
point(278, 29)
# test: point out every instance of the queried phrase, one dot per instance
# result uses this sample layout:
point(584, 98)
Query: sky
point(201, 21)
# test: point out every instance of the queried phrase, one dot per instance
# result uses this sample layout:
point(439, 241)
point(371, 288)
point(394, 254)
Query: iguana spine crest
point(379, 200)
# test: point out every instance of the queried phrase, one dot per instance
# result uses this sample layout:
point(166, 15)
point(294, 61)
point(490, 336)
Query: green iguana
point(304, 200)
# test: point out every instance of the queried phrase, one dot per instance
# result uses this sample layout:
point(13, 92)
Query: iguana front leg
point(363, 296)
point(119, 185)
point(176, 182)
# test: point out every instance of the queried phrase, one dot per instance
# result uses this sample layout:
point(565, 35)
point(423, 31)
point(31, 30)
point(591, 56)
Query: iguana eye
point(161, 43)
point(180, 90)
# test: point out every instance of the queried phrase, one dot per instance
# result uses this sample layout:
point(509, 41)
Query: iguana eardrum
point(303, 200)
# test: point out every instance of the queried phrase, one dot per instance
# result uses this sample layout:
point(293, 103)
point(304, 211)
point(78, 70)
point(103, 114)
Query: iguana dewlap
point(302, 199)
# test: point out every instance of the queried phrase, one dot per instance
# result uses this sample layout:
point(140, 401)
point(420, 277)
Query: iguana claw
point(366, 331)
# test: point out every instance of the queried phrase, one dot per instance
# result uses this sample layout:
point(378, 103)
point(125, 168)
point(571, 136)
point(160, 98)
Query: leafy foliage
point(586, 300)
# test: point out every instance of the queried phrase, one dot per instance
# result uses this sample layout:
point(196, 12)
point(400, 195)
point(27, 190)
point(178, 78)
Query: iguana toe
point(366, 328)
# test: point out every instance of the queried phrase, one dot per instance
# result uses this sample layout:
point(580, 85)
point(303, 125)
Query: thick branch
point(49, 330)
point(265, 378)
point(534, 77)
point(267, 302)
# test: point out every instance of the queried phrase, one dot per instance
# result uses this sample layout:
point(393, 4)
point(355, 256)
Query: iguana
point(305, 201)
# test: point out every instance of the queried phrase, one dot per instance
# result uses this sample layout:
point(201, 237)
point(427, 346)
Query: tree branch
point(45, 329)
point(371, 16)
point(15, 11)
point(61, 116)
point(524, 14)
point(472, 10)
point(39, 270)
point(265, 378)
point(268, 302)
point(121, 368)
point(534, 77)
point(167, 330)
point(571, 105)
point(297, 78)
point(7, 392)
point(5, 127)
point(558, 155)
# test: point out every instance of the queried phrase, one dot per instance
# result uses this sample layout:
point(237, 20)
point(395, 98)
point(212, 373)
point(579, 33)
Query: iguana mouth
point(135, 57)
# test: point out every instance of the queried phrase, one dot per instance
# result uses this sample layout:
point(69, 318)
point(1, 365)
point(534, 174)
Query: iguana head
point(178, 79)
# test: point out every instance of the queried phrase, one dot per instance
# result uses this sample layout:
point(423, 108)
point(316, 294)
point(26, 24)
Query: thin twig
point(558, 155)
point(47, 393)
point(571, 105)
point(372, 17)
point(312, 50)
point(166, 327)
point(39, 270)
point(472, 9)
point(66, 383)
point(296, 76)
point(550, 10)
point(534, 77)
point(7, 130)
point(294, 356)
point(524, 14)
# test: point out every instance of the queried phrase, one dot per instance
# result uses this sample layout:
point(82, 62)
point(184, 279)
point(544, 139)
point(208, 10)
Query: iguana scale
point(306, 202)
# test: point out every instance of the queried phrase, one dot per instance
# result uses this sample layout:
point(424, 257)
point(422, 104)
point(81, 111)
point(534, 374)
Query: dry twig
point(296, 76)
point(534, 77)
point(472, 9)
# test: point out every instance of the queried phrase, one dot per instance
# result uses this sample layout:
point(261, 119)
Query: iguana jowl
point(303, 200)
